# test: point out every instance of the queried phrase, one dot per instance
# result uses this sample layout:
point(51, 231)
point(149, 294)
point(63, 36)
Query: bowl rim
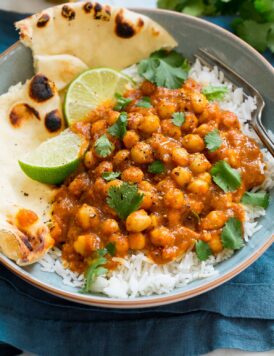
point(155, 300)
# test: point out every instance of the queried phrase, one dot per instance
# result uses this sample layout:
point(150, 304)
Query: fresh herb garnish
point(215, 92)
point(203, 250)
point(108, 176)
point(119, 128)
point(178, 118)
point(144, 102)
point(213, 140)
point(156, 167)
point(124, 199)
point(256, 199)
point(165, 69)
point(103, 147)
point(227, 178)
point(121, 102)
point(232, 234)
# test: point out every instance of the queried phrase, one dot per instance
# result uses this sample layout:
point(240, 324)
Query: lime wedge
point(90, 89)
point(54, 159)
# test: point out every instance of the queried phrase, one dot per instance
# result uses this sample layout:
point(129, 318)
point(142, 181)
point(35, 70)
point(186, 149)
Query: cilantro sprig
point(124, 199)
point(119, 128)
point(256, 199)
point(178, 118)
point(227, 178)
point(121, 102)
point(213, 140)
point(156, 167)
point(103, 147)
point(203, 250)
point(232, 234)
point(165, 69)
point(215, 92)
point(108, 176)
point(144, 102)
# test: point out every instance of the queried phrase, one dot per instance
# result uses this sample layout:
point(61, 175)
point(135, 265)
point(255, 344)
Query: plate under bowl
point(191, 33)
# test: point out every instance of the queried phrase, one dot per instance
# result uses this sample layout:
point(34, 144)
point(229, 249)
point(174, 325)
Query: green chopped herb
point(94, 270)
point(103, 147)
point(121, 102)
point(108, 176)
point(215, 92)
point(213, 140)
point(156, 167)
point(111, 248)
point(256, 199)
point(232, 234)
point(119, 128)
point(144, 102)
point(165, 69)
point(124, 199)
point(227, 178)
point(203, 250)
point(178, 118)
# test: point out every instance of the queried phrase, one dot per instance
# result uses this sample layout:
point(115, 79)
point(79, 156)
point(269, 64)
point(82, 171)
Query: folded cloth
point(238, 314)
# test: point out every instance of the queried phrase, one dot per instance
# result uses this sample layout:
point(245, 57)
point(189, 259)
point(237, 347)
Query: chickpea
point(214, 220)
point(99, 127)
point(88, 217)
point(229, 119)
point(233, 158)
point(103, 167)
point(204, 129)
point(137, 241)
point(181, 175)
point(112, 117)
point(148, 88)
point(199, 163)
point(156, 220)
point(198, 186)
point(138, 221)
point(206, 177)
point(142, 153)
point(193, 143)
point(149, 124)
point(113, 183)
point(146, 186)
point(211, 113)
point(166, 108)
point(133, 174)
point(169, 253)
point(180, 156)
point(110, 226)
point(79, 184)
point(190, 123)
point(100, 186)
point(120, 157)
point(198, 102)
point(134, 120)
point(162, 236)
point(121, 244)
point(131, 138)
point(170, 129)
point(165, 185)
point(86, 244)
point(147, 200)
point(89, 159)
point(174, 198)
point(174, 217)
point(215, 242)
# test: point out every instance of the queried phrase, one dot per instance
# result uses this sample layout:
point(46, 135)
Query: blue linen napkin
point(238, 314)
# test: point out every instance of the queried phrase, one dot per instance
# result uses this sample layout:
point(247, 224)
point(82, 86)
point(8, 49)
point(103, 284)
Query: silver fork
point(208, 59)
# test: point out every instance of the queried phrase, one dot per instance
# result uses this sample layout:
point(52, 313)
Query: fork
point(208, 59)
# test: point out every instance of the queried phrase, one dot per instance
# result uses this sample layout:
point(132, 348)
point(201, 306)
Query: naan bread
point(98, 35)
point(30, 113)
point(60, 68)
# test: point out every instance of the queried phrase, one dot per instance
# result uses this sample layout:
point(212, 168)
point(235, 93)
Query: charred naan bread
point(98, 35)
point(30, 113)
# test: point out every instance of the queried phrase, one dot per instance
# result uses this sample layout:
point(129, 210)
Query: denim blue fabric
point(238, 314)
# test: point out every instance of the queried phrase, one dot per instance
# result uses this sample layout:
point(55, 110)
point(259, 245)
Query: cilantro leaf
point(119, 128)
point(227, 178)
point(156, 167)
point(203, 250)
point(124, 199)
point(111, 248)
point(178, 118)
point(165, 69)
point(94, 270)
point(144, 102)
point(256, 199)
point(213, 140)
point(232, 234)
point(108, 176)
point(103, 147)
point(121, 102)
point(215, 92)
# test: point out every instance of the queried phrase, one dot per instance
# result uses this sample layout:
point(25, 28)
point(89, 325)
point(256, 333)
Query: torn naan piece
point(99, 35)
point(61, 68)
point(30, 113)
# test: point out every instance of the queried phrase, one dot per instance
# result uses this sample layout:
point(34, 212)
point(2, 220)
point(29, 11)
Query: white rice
point(139, 276)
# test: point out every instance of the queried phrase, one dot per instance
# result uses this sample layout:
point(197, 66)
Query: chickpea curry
point(165, 173)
